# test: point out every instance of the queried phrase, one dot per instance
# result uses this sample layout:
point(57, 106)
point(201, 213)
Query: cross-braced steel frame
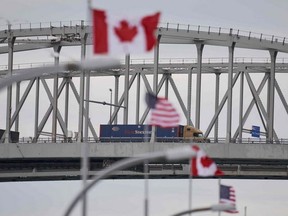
point(137, 72)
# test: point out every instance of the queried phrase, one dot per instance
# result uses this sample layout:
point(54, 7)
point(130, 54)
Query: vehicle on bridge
point(142, 133)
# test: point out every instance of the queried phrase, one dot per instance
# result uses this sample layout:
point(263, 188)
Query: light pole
point(217, 207)
point(181, 153)
point(55, 69)
point(110, 121)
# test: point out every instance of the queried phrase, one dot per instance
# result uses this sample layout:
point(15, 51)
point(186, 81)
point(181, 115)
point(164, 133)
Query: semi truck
point(142, 133)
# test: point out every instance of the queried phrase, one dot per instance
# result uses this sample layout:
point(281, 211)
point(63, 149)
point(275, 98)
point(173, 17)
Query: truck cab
point(192, 134)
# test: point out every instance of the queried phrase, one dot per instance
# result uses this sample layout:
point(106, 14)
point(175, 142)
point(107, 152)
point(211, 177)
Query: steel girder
point(24, 39)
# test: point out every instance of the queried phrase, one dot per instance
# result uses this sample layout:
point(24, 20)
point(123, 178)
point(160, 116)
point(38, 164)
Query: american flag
point(227, 195)
point(163, 113)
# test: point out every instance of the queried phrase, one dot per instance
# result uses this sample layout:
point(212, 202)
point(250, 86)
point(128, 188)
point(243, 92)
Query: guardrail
point(221, 30)
point(40, 25)
point(208, 60)
point(283, 141)
point(221, 60)
point(177, 26)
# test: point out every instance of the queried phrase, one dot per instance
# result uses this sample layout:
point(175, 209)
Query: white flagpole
point(152, 143)
point(85, 147)
point(153, 135)
point(146, 185)
point(146, 174)
point(190, 187)
point(219, 191)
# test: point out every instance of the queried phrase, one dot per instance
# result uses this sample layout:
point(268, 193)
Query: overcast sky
point(262, 197)
point(126, 197)
point(258, 16)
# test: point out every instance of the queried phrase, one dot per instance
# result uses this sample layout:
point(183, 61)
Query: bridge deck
point(51, 161)
point(229, 151)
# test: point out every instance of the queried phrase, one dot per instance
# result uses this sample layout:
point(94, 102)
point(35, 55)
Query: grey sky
point(257, 16)
point(126, 197)
point(262, 197)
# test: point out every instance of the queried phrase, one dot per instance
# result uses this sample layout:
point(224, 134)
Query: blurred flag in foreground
point(227, 195)
point(163, 114)
point(117, 35)
point(204, 166)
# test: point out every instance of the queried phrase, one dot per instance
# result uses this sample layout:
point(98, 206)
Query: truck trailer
point(142, 133)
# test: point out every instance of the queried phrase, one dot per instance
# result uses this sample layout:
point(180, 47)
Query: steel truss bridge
point(59, 156)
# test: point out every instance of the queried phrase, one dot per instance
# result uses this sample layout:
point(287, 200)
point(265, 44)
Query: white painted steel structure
point(25, 38)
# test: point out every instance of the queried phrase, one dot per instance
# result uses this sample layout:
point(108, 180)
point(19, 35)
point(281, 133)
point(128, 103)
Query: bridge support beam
point(260, 107)
point(217, 87)
point(87, 113)
point(221, 105)
point(126, 89)
point(48, 112)
point(230, 87)
point(66, 103)
point(178, 96)
point(167, 86)
point(241, 106)
point(121, 101)
point(156, 65)
point(271, 95)
point(36, 120)
point(189, 96)
point(77, 96)
point(82, 84)
point(57, 50)
point(199, 47)
point(17, 103)
point(58, 114)
point(138, 97)
point(11, 41)
point(116, 102)
point(167, 78)
point(252, 103)
point(21, 102)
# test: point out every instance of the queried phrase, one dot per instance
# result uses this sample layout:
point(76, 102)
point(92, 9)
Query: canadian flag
point(204, 166)
point(115, 35)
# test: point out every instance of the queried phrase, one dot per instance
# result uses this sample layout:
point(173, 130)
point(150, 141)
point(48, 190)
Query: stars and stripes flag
point(227, 196)
point(202, 165)
point(163, 113)
point(114, 34)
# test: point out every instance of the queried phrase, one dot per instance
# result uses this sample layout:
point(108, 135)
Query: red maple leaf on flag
point(125, 32)
point(206, 161)
point(203, 165)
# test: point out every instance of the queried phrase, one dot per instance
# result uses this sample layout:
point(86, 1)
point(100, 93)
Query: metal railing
point(283, 141)
point(170, 61)
point(40, 25)
point(220, 30)
point(177, 26)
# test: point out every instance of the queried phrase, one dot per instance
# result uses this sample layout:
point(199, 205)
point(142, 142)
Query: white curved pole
point(27, 74)
point(217, 207)
point(174, 154)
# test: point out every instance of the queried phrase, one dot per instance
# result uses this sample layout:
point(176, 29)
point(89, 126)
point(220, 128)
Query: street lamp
point(110, 121)
point(181, 153)
point(217, 207)
point(89, 64)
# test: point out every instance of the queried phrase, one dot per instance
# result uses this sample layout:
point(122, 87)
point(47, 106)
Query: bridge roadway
point(61, 161)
